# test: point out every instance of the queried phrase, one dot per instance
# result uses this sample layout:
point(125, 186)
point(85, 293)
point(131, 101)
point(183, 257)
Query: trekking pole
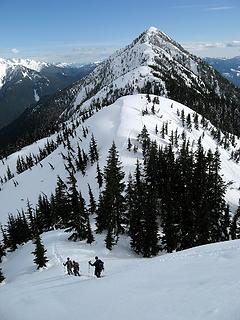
point(88, 268)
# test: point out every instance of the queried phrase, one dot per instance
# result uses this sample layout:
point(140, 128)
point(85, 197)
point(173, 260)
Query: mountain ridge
point(24, 81)
point(153, 63)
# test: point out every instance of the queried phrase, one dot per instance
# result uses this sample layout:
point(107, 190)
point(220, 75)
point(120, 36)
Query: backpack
point(101, 264)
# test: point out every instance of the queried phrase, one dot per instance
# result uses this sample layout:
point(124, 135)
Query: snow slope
point(119, 121)
point(195, 284)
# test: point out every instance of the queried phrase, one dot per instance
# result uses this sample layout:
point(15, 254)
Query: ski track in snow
point(198, 283)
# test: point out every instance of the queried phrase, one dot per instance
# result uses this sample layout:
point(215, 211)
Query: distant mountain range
point(23, 82)
point(229, 68)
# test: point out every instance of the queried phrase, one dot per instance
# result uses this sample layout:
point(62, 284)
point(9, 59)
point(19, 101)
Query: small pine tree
point(183, 117)
point(39, 253)
point(92, 203)
point(129, 147)
point(189, 121)
point(90, 237)
point(99, 176)
point(196, 124)
point(93, 151)
point(109, 239)
point(2, 278)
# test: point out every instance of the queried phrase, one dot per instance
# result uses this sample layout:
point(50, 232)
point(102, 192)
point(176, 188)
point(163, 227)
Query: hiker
point(76, 268)
point(99, 266)
point(69, 266)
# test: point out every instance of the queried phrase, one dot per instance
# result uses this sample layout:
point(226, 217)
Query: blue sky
point(90, 30)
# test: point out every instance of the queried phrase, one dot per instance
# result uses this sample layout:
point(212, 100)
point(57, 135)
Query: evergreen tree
point(39, 253)
point(183, 117)
point(109, 239)
point(235, 225)
point(196, 124)
point(101, 218)
point(10, 175)
point(215, 197)
point(135, 206)
point(77, 223)
point(144, 139)
point(92, 202)
point(170, 218)
point(226, 223)
point(44, 219)
point(113, 199)
point(31, 218)
point(99, 176)
point(90, 237)
point(2, 278)
point(189, 121)
point(61, 207)
point(2, 252)
point(129, 147)
point(93, 152)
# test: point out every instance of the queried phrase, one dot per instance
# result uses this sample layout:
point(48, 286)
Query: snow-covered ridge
point(119, 121)
point(149, 59)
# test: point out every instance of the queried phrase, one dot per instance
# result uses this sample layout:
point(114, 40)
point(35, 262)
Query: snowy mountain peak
point(152, 30)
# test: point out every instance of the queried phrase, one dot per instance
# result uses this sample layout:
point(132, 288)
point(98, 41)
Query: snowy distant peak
point(9, 67)
point(30, 64)
point(154, 32)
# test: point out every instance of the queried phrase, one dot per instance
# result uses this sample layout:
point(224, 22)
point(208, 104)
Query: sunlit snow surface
point(195, 284)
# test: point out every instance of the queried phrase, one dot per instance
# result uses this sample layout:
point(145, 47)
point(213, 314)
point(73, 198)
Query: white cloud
point(198, 46)
point(233, 44)
point(219, 8)
point(14, 50)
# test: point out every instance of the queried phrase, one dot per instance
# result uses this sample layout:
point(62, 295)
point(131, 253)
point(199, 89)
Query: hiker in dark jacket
point(69, 266)
point(76, 268)
point(98, 264)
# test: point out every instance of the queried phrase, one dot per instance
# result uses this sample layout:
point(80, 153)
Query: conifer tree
point(169, 211)
point(31, 218)
point(61, 204)
point(129, 147)
point(101, 218)
point(163, 131)
point(99, 176)
point(109, 239)
point(235, 225)
point(136, 213)
point(2, 278)
point(144, 139)
point(226, 223)
point(44, 219)
point(215, 197)
point(113, 199)
point(77, 223)
point(90, 237)
point(189, 121)
point(183, 117)
point(10, 175)
point(2, 252)
point(93, 152)
point(39, 253)
point(92, 203)
point(196, 124)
